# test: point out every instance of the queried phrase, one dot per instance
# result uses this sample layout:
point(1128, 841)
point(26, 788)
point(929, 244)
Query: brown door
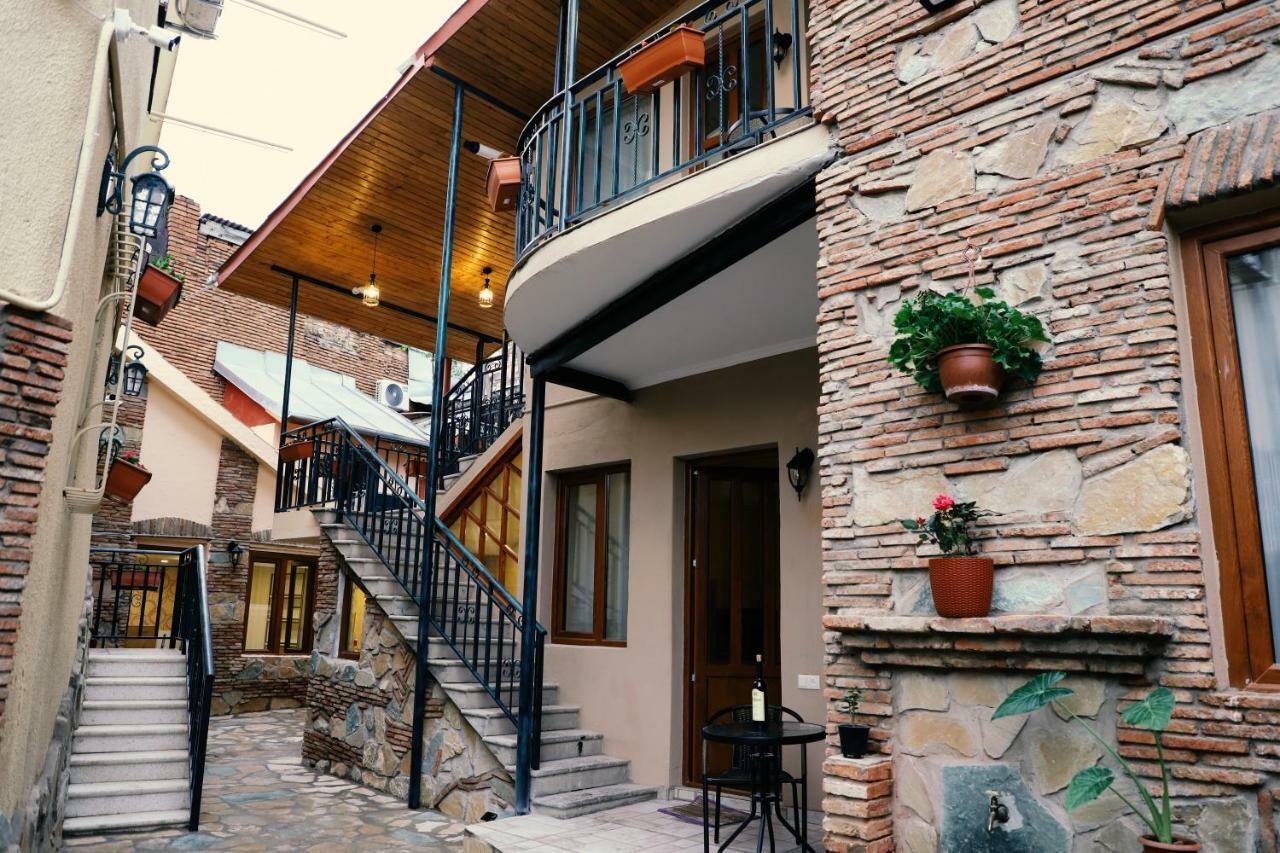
point(732, 601)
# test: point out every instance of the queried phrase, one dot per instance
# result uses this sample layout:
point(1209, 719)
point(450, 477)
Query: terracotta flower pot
point(296, 452)
point(961, 586)
point(658, 63)
point(125, 479)
point(158, 292)
point(504, 183)
point(1180, 844)
point(970, 376)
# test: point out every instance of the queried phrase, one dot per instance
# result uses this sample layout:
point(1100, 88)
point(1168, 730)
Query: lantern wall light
point(151, 196)
point(135, 372)
point(798, 468)
point(486, 292)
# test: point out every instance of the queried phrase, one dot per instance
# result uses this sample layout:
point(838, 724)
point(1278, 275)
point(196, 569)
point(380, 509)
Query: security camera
point(162, 38)
point(481, 149)
point(159, 36)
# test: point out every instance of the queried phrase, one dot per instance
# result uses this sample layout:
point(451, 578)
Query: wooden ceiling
point(392, 169)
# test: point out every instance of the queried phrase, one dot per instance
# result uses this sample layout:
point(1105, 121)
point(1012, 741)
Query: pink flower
point(943, 502)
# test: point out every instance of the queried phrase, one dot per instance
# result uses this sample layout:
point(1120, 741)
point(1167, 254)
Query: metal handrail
point(480, 406)
point(566, 147)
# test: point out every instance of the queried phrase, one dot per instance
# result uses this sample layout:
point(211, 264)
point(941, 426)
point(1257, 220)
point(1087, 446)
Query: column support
point(437, 403)
point(288, 356)
point(529, 560)
point(566, 111)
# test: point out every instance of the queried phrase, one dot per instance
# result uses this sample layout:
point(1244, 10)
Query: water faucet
point(997, 812)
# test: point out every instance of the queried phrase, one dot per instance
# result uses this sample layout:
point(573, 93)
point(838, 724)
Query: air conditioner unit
point(394, 395)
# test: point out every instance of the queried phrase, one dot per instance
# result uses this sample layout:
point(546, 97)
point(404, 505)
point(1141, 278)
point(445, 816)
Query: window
point(1233, 297)
point(592, 545)
point(488, 523)
point(280, 595)
point(353, 601)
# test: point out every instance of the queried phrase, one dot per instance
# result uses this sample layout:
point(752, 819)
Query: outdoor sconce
point(234, 552)
point(798, 470)
point(369, 294)
point(135, 372)
point(781, 47)
point(932, 6)
point(486, 292)
point(152, 194)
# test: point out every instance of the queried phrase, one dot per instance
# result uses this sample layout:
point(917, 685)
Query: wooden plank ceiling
point(392, 169)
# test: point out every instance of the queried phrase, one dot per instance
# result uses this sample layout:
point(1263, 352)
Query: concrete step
point(449, 480)
point(129, 738)
point(591, 800)
point(578, 774)
point(558, 744)
point(465, 463)
point(492, 721)
point(92, 799)
point(137, 666)
point(128, 766)
point(129, 652)
point(470, 694)
point(133, 687)
point(136, 821)
point(133, 711)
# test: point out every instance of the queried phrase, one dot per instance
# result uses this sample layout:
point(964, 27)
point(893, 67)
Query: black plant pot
point(853, 740)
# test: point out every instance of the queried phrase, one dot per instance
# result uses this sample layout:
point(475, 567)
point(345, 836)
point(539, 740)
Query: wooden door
point(732, 610)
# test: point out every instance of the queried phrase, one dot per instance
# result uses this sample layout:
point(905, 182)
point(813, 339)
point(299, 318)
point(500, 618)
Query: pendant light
point(369, 294)
point(486, 292)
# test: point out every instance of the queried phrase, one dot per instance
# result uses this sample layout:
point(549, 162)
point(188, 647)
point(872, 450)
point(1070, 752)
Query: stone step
point(558, 744)
point(558, 776)
point(575, 803)
point(92, 799)
point(136, 666)
point(129, 738)
point(492, 721)
point(133, 711)
point(128, 766)
point(465, 462)
point(134, 822)
point(134, 687)
point(470, 694)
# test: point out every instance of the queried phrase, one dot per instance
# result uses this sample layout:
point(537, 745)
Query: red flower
point(920, 520)
point(943, 502)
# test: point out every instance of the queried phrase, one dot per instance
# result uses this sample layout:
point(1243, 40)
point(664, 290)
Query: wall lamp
point(234, 552)
point(152, 194)
point(135, 372)
point(781, 47)
point(932, 6)
point(798, 469)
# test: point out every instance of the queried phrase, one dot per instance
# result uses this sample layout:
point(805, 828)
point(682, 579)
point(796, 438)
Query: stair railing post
point(281, 486)
point(477, 394)
point(433, 457)
point(530, 668)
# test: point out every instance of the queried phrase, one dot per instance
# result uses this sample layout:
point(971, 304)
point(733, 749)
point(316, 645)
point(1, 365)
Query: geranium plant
point(132, 457)
point(950, 527)
point(930, 322)
point(164, 263)
point(1151, 714)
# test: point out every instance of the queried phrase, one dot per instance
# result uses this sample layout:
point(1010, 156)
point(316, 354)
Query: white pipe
point(83, 183)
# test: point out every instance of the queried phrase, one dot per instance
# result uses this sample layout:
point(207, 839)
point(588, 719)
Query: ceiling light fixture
point(486, 292)
point(369, 294)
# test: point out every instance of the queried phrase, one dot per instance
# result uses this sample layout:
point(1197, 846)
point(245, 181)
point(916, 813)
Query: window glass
point(261, 590)
point(580, 560)
point(353, 620)
point(278, 611)
point(618, 546)
point(592, 557)
point(292, 623)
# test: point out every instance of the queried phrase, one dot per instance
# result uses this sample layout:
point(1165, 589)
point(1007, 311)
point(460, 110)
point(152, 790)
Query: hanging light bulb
point(369, 294)
point(486, 292)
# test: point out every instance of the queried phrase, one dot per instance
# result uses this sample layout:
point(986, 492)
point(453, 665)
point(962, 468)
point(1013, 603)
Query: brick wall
point(1048, 138)
point(33, 358)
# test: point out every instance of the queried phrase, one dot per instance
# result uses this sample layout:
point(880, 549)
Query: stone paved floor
point(257, 796)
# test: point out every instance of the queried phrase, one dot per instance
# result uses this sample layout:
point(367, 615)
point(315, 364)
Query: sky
point(287, 84)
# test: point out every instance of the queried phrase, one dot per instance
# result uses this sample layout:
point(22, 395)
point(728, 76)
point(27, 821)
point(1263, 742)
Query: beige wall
point(182, 452)
point(44, 94)
point(635, 695)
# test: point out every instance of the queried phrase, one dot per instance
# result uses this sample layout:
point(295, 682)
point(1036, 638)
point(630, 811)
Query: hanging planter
point(659, 62)
point(159, 290)
point(126, 476)
point(296, 452)
point(961, 582)
point(969, 373)
point(503, 183)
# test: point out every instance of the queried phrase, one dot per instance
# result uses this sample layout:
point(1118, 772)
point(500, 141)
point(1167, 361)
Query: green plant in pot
point(1151, 714)
point(960, 581)
point(159, 290)
point(965, 348)
point(853, 736)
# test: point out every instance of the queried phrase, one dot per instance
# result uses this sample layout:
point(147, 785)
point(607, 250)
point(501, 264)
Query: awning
point(315, 394)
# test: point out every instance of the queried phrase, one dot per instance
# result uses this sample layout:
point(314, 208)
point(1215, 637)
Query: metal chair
point(739, 771)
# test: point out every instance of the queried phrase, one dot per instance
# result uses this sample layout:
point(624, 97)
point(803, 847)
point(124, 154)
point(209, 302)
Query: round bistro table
point(764, 742)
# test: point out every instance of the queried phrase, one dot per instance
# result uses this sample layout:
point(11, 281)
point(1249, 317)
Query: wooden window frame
point(599, 478)
point(511, 459)
point(344, 633)
point(1233, 507)
point(273, 645)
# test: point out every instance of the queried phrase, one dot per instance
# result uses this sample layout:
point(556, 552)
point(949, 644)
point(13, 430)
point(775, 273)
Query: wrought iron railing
point(160, 599)
point(481, 405)
point(616, 144)
point(465, 604)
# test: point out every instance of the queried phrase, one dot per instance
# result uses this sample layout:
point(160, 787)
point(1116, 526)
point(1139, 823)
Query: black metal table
point(765, 742)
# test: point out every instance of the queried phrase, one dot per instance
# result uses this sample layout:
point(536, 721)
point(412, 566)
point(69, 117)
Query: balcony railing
point(616, 145)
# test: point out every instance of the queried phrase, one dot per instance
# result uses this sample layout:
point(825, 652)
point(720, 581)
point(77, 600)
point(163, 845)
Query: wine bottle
point(758, 699)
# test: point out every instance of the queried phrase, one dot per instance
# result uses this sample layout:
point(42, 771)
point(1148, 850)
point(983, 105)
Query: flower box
point(503, 183)
point(296, 452)
point(158, 292)
point(125, 479)
point(666, 59)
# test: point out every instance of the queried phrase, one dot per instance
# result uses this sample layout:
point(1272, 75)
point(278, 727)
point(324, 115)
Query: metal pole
point(566, 118)
point(433, 457)
point(288, 357)
point(477, 393)
point(559, 49)
point(532, 524)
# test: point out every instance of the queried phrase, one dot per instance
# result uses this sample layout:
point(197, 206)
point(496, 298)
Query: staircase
point(574, 776)
point(129, 755)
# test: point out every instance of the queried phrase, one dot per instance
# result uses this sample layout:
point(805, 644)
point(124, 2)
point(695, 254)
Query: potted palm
point(965, 348)
point(126, 477)
point(853, 737)
point(159, 290)
point(658, 62)
point(961, 581)
point(1151, 714)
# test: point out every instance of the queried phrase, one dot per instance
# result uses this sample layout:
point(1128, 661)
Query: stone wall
point(1050, 139)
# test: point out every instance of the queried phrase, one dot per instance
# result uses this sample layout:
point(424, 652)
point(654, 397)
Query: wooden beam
point(719, 253)
point(592, 383)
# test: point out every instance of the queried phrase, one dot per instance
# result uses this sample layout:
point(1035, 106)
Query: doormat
point(692, 813)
